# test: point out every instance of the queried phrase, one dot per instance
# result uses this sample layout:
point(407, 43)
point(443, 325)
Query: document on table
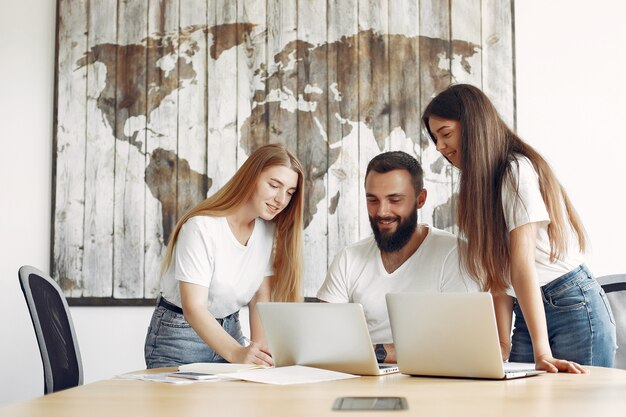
point(286, 375)
point(217, 368)
point(166, 377)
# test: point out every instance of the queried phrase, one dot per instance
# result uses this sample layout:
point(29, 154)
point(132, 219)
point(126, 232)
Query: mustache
point(383, 219)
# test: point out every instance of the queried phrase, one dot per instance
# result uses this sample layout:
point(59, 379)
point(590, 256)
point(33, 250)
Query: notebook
point(322, 335)
point(449, 335)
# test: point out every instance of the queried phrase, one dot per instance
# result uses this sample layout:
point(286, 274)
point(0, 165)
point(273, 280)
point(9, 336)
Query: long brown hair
point(488, 149)
point(287, 280)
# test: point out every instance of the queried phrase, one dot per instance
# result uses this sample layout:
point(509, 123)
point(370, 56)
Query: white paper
point(217, 368)
point(164, 377)
point(286, 375)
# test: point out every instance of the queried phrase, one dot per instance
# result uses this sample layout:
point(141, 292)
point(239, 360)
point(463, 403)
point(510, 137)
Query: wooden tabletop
point(600, 393)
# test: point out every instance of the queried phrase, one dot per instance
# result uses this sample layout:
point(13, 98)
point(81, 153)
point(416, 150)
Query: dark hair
point(488, 148)
point(390, 161)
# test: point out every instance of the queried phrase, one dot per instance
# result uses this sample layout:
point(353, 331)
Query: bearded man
point(401, 256)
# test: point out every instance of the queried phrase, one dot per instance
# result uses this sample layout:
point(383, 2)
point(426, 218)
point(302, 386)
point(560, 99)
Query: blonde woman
point(521, 238)
point(238, 247)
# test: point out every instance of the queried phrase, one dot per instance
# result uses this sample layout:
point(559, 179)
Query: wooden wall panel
point(99, 157)
point(158, 103)
point(344, 204)
point(69, 181)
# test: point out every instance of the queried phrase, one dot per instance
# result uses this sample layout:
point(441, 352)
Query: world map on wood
point(161, 110)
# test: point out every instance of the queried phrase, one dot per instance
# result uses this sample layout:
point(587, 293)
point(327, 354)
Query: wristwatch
point(381, 353)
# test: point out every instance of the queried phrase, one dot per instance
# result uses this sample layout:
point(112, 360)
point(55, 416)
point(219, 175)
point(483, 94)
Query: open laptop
point(322, 335)
point(449, 335)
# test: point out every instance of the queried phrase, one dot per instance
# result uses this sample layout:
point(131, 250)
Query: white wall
point(571, 106)
point(111, 339)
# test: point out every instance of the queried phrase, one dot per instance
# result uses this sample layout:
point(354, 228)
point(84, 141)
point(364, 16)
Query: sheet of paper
point(286, 375)
point(164, 377)
point(217, 368)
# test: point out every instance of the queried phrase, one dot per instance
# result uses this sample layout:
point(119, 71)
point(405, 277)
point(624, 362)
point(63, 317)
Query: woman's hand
point(549, 364)
point(254, 353)
point(505, 348)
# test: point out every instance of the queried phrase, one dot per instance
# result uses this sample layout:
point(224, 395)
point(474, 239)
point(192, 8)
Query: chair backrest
point(615, 288)
point(62, 364)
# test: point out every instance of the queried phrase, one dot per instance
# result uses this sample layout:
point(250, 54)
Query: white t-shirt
point(529, 207)
point(208, 254)
point(357, 275)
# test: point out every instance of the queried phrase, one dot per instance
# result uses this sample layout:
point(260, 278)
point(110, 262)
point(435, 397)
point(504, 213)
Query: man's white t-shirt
point(357, 275)
point(208, 254)
point(525, 206)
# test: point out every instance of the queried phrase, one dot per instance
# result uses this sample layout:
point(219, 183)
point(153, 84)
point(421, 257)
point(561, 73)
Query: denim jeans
point(171, 341)
point(581, 327)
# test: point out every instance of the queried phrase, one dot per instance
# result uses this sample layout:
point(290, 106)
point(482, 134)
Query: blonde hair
point(288, 247)
point(488, 148)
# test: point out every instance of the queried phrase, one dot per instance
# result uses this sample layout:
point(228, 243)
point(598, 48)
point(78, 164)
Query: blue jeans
point(581, 327)
point(171, 341)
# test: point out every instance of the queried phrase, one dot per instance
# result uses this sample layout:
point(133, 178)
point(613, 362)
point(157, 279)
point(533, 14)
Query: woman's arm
point(194, 302)
point(503, 305)
point(262, 295)
point(524, 280)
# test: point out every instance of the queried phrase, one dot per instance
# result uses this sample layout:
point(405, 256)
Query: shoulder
point(521, 167)
point(203, 222)
point(203, 227)
point(356, 252)
point(362, 246)
point(441, 238)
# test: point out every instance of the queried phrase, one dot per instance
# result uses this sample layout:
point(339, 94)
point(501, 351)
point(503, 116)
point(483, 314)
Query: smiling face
point(392, 207)
point(447, 136)
point(274, 189)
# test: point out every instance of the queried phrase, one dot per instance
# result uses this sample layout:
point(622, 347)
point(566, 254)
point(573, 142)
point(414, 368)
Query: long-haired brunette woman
point(240, 246)
point(521, 238)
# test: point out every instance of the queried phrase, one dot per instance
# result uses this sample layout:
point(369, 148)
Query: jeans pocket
point(607, 305)
point(175, 320)
point(571, 299)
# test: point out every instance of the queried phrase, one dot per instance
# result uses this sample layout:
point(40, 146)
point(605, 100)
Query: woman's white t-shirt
point(208, 254)
point(522, 203)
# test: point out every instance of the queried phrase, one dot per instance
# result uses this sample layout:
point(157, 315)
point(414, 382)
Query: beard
point(394, 241)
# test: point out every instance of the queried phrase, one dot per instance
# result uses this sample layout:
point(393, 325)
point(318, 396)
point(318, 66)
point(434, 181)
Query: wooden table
point(601, 393)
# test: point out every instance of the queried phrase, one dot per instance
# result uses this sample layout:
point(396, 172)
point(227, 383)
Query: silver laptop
point(322, 335)
point(449, 335)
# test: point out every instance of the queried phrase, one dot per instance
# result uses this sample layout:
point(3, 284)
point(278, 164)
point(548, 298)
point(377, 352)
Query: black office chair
point(615, 288)
point(62, 364)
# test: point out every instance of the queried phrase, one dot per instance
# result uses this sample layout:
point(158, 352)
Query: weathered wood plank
point(312, 137)
point(466, 67)
point(99, 157)
point(222, 139)
point(162, 78)
point(251, 56)
point(435, 52)
point(465, 26)
point(130, 124)
point(70, 133)
point(498, 69)
point(344, 204)
point(373, 90)
point(404, 114)
point(279, 94)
